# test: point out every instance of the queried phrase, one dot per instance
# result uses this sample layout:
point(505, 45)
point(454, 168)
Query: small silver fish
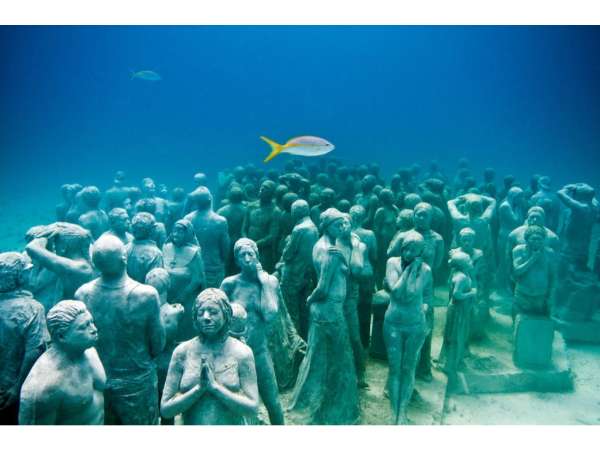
point(302, 146)
point(148, 75)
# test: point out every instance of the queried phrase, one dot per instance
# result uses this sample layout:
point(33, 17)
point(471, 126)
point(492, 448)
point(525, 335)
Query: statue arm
point(392, 275)
point(427, 285)
point(98, 373)
point(489, 211)
point(521, 262)
point(173, 402)
point(328, 268)
point(373, 250)
point(225, 241)
point(291, 248)
point(155, 330)
point(246, 401)
point(38, 252)
point(394, 247)
point(460, 291)
point(39, 404)
point(378, 220)
point(454, 211)
point(36, 336)
point(565, 196)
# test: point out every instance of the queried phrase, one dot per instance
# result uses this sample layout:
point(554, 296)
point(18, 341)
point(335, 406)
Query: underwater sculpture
point(212, 233)
point(148, 190)
point(212, 377)
point(175, 207)
point(143, 254)
point(63, 248)
point(183, 260)
point(118, 193)
point(159, 232)
point(234, 211)
point(366, 282)
point(548, 200)
point(160, 280)
point(405, 325)
point(510, 216)
point(130, 335)
point(66, 384)
point(22, 330)
point(68, 192)
point(326, 201)
point(367, 198)
point(258, 293)
point(92, 218)
point(384, 227)
point(298, 276)
point(261, 224)
point(286, 221)
point(326, 391)
point(119, 225)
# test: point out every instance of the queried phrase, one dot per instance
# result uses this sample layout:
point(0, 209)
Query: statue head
point(147, 205)
point(544, 183)
point(331, 223)
point(489, 174)
point(178, 194)
point(535, 237)
point(584, 192)
point(14, 271)
point(201, 198)
point(395, 182)
point(533, 182)
point(415, 169)
point(212, 314)
point(343, 205)
point(170, 315)
point(368, 182)
point(90, 196)
point(119, 220)
point(515, 195)
point(71, 327)
point(235, 195)
point(412, 246)
point(280, 191)
point(343, 173)
point(68, 191)
point(148, 187)
point(508, 181)
point(386, 196)
point(109, 256)
point(536, 216)
point(358, 215)
point(466, 239)
point(238, 173)
point(411, 200)
point(287, 200)
point(460, 261)
point(160, 280)
point(405, 220)
point(70, 240)
point(142, 225)
point(246, 254)
point(183, 233)
point(119, 178)
point(267, 190)
point(423, 213)
point(200, 179)
point(474, 205)
point(300, 210)
point(362, 171)
point(313, 199)
point(322, 179)
point(327, 197)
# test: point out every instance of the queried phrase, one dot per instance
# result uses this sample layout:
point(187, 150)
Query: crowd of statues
point(140, 304)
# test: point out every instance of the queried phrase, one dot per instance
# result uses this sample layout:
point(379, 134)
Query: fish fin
point(275, 148)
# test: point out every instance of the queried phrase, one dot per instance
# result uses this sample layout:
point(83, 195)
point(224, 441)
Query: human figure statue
point(170, 315)
point(63, 248)
point(118, 193)
point(160, 280)
point(280, 191)
point(326, 392)
point(404, 222)
point(23, 333)
point(286, 222)
point(183, 260)
point(488, 187)
point(159, 233)
point(257, 292)
point(508, 182)
point(212, 377)
point(130, 335)
point(456, 332)
point(534, 271)
point(367, 198)
point(548, 200)
point(119, 225)
point(326, 201)
point(212, 233)
point(148, 190)
point(405, 326)
point(93, 218)
point(355, 252)
point(175, 207)
point(143, 254)
point(384, 227)
point(65, 385)
point(298, 276)
point(510, 216)
point(76, 208)
point(68, 192)
point(366, 282)
point(234, 212)
point(533, 186)
point(43, 283)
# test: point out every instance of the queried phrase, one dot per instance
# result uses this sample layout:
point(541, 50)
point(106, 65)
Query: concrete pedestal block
point(533, 339)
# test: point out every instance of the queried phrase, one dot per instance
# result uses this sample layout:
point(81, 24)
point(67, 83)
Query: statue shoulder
point(240, 350)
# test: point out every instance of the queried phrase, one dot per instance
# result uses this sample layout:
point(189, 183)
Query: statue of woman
point(326, 391)
point(183, 260)
point(405, 327)
point(65, 386)
point(212, 377)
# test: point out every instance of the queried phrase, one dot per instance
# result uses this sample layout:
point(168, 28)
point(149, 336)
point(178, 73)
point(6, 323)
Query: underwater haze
point(520, 99)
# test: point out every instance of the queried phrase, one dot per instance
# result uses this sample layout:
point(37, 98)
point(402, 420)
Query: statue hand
point(211, 382)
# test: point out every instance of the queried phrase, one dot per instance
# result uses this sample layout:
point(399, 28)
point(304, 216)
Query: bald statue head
point(109, 256)
point(201, 198)
point(300, 210)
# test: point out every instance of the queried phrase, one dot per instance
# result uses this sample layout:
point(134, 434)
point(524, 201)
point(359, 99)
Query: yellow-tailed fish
point(148, 75)
point(302, 146)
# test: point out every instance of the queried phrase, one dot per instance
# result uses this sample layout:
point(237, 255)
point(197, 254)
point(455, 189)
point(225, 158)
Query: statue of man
point(63, 248)
point(212, 232)
point(548, 200)
point(298, 274)
point(257, 292)
point(66, 384)
point(234, 212)
point(143, 254)
point(130, 335)
point(23, 333)
point(119, 225)
point(93, 219)
point(261, 224)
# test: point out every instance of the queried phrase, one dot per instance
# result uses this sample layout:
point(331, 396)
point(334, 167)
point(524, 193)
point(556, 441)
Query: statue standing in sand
point(261, 224)
point(119, 225)
point(93, 218)
point(257, 292)
point(66, 384)
point(22, 330)
point(143, 254)
point(405, 326)
point(326, 392)
point(63, 248)
point(212, 377)
point(298, 274)
point(212, 233)
point(234, 212)
point(384, 227)
point(130, 335)
point(183, 260)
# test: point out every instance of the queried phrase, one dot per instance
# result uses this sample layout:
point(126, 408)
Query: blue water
point(520, 99)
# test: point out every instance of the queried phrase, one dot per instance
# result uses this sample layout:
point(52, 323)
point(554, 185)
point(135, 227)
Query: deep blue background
point(521, 99)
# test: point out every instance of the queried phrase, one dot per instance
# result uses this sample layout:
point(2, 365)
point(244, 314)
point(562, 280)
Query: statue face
point(246, 258)
point(535, 219)
point(467, 241)
point(265, 192)
point(121, 223)
point(422, 219)
point(410, 251)
point(82, 334)
point(209, 318)
point(337, 228)
point(178, 235)
point(535, 242)
point(346, 227)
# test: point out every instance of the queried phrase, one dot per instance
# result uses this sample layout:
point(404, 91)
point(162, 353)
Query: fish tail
point(131, 74)
point(275, 148)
